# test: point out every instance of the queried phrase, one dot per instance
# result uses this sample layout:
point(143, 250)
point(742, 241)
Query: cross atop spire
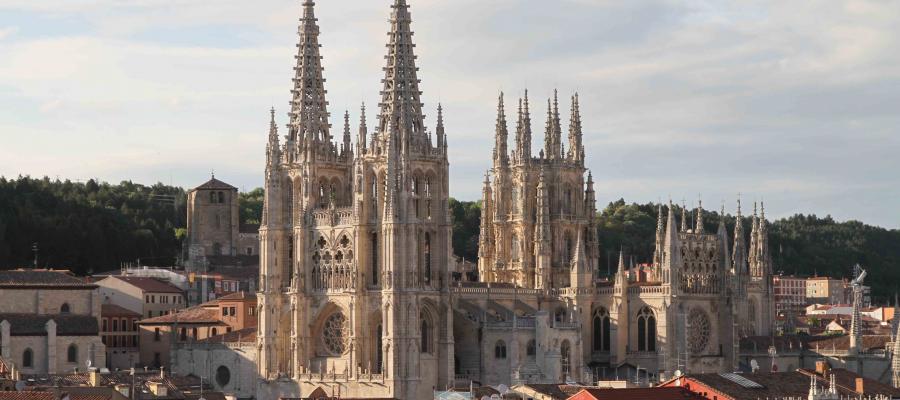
point(309, 109)
point(400, 94)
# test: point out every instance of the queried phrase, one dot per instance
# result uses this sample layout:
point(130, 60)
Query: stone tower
point(355, 243)
point(538, 229)
point(212, 226)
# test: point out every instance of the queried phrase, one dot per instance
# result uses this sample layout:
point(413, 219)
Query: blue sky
point(794, 103)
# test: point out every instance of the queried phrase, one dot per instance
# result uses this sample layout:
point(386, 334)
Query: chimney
point(162, 372)
point(860, 386)
point(822, 367)
point(95, 378)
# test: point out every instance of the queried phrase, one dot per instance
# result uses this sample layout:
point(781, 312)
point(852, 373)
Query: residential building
point(151, 297)
point(825, 290)
point(119, 332)
point(160, 337)
point(49, 322)
point(790, 294)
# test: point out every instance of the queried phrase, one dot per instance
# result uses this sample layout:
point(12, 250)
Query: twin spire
point(400, 108)
point(554, 149)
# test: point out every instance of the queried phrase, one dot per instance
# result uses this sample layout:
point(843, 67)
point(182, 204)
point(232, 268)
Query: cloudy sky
point(791, 102)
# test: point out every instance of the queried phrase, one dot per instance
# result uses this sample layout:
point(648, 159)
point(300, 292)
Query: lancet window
point(646, 330)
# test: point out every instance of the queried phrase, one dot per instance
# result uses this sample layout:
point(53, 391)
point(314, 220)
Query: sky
point(794, 103)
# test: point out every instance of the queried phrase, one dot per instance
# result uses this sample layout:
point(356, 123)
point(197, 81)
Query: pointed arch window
point(531, 349)
point(375, 269)
point(28, 358)
point(72, 353)
point(600, 330)
point(426, 331)
point(64, 309)
point(565, 353)
point(646, 330)
point(500, 350)
point(379, 351)
point(427, 259)
point(568, 250)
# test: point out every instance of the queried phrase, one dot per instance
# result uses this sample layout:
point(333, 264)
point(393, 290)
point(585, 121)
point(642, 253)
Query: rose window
point(699, 331)
point(335, 334)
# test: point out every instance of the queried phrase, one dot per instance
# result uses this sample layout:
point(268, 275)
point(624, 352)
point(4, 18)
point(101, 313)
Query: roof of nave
point(114, 310)
point(36, 325)
point(42, 278)
point(215, 184)
point(151, 285)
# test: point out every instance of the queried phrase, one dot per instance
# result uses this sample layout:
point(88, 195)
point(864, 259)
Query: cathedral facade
point(357, 297)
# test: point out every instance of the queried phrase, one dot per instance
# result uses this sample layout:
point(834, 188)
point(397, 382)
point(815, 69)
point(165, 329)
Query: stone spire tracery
point(501, 135)
point(576, 148)
point(400, 97)
point(309, 108)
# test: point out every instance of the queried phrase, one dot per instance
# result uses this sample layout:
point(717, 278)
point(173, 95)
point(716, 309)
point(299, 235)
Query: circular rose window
point(335, 334)
point(699, 331)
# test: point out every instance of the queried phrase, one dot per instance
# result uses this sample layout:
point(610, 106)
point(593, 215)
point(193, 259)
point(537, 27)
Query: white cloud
point(790, 101)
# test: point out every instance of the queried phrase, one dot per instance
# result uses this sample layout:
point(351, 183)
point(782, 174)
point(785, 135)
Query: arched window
point(568, 250)
point(514, 248)
point(212, 197)
point(28, 358)
point(427, 262)
point(64, 309)
point(531, 348)
point(374, 198)
point(379, 351)
point(72, 353)
point(221, 197)
point(500, 350)
point(426, 331)
point(559, 315)
point(565, 354)
point(601, 330)
point(217, 249)
point(646, 330)
point(375, 271)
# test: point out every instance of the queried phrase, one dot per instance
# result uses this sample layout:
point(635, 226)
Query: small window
point(224, 311)
point(104, 328)
point(156, 335)
point(183, 335)
point(64, 309)
point(150, 314)
point(500, 350)
point(28, 358)
point(72, 353)
point(232, 311)
point(115, 325)
point(223, 376)
point(214, 332)
point(531, 348)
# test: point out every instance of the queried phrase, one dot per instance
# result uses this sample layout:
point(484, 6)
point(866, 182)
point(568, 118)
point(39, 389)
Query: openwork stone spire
point(740, 252)
point(523, 132)
point(401, 94)
point(309, 109)
point(501, 157)
point(576, 149)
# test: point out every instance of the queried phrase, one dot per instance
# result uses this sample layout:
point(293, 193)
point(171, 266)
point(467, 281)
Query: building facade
point(356, 293)
point(119, 333)
point(790, 294)
point(213, 220)
point(151, 297)
point(49, 322)
point(825, 290)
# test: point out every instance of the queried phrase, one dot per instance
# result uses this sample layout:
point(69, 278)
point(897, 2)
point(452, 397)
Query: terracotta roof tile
point(25, 278)
point(193, 315)
point(215, 184)
point(656, 393)
point(114, 310)
point(152, 285)
point(238, 336)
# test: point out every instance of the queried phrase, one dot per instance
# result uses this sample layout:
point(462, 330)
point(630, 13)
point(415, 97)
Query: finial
point(272, 112)
point(762, 207)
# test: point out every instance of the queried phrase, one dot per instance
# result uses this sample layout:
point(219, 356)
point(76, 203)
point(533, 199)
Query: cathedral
point(358, 292)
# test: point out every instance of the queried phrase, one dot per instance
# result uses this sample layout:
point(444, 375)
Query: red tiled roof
point(42, 278)
point(242, 295)
point(27, 396)
point(554, 390)
point(215, 184)
point(656, 393)
point(193, 315)
point(151, 285)
point(114, 310)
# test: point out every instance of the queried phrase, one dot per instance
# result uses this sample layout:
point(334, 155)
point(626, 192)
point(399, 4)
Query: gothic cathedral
point(358, 292)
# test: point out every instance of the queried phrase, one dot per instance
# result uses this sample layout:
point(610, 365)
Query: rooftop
point(193, 315)
point(655, 393)
point(794, 384)
point(239, 336)
point(215, 184)
point(151, 285)
point(42, 278)
point(242, 295)
point(113, 310)
point(66, 324)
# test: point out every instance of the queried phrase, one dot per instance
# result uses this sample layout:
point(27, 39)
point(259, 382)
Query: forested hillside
point(88, 226)
point(95, 226)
